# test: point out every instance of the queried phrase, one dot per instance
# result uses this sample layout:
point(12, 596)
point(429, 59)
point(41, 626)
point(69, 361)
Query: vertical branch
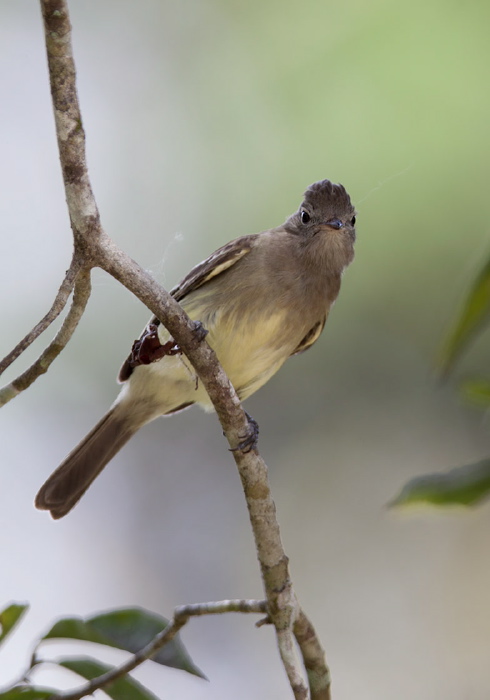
point(82, 208)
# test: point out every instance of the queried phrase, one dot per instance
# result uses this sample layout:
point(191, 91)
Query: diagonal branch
point(81, 296)
point(181, 616)
point(59, 304)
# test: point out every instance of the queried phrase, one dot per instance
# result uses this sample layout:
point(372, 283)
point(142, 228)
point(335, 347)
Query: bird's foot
point(248, 442)
point(199, 330)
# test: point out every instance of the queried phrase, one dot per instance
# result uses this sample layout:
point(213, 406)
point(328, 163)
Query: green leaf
point(473, 316)
point(125, 688)
point(477, 391)
point(9, 617)
point(27, 692)
point(129, 629)
point(76, 628)
point(464, 486)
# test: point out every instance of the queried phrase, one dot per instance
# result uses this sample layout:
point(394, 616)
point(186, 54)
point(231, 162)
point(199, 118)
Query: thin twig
point(239, 605)
point(58, 305)
point(287, 650)
point(81, 296)
point(181, 616)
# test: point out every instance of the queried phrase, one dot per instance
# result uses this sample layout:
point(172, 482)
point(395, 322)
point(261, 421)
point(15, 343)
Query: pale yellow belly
point(250, 351)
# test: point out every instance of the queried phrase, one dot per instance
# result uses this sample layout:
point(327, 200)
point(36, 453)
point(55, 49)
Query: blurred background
point(207, 120)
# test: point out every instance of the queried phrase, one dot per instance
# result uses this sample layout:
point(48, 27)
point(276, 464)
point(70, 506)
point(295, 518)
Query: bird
point(261, 298)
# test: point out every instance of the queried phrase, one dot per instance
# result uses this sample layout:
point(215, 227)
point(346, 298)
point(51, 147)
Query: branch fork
point(94, 248)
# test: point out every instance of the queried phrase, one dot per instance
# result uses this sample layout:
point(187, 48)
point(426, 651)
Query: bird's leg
point(248, 442)
point(149, 349)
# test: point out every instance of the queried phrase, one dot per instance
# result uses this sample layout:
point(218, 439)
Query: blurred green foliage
point(10, 617)
point(463, 486)
point(470, 484)
point(129, 629)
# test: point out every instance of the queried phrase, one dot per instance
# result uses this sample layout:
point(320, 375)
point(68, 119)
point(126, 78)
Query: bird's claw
point(248, 442)
point(199, 330)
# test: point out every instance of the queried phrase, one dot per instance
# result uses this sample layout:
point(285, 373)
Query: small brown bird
point(262, 298)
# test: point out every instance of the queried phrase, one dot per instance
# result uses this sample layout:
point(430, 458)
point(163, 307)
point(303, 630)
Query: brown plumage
point(262, 298)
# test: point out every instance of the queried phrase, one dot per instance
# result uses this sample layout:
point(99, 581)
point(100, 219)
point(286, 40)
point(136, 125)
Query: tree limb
point(313, 658)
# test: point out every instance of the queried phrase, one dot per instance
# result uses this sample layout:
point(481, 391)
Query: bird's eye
point(335, 223)
point(305, 217)
point(353, 221)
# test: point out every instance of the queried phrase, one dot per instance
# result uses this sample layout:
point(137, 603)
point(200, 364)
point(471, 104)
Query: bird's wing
point(219, 261)
point(311, 337)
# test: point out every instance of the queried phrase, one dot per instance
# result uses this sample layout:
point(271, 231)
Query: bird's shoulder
point(217, 263)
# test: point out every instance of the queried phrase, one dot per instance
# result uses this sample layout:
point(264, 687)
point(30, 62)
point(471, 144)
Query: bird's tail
point(68, 483)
